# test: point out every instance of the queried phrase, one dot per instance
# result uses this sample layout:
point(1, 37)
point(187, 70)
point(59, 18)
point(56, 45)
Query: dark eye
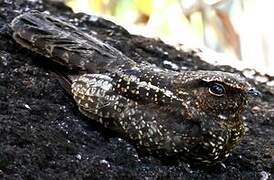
point(217, 89)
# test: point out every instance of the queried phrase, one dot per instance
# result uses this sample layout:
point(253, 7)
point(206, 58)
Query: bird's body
point(193, 115)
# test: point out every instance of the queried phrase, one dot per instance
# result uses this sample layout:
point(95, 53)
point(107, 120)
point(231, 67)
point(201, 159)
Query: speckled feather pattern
point(168, 113)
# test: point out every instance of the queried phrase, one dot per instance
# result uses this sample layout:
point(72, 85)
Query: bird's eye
point(217, 89)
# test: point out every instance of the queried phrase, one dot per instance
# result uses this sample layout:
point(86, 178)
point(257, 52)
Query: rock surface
point(43, 136)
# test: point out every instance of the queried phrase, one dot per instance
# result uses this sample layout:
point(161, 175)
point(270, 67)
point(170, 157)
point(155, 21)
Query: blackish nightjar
point(191, 115)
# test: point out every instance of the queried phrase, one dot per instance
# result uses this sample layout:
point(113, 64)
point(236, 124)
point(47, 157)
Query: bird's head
point(218, 94)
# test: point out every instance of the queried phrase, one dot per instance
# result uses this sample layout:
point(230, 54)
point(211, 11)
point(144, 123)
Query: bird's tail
point(64, 43)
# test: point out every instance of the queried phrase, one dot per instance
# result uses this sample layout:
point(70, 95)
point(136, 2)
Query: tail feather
point(64, 43)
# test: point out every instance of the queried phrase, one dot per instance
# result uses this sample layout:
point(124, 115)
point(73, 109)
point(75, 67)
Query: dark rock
point(43, 136)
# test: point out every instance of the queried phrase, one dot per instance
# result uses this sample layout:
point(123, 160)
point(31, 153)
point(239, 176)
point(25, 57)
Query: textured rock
point(44, 136)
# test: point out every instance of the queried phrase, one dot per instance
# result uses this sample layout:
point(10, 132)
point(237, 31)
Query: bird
point(195, 116)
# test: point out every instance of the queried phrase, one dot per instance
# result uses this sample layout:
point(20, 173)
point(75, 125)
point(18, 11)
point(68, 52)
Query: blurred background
point(240, 29)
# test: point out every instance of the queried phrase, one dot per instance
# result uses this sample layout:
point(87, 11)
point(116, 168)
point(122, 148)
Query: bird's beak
point(254, 92)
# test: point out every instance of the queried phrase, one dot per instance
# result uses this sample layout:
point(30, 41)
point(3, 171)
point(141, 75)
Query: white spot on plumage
point(172, 66)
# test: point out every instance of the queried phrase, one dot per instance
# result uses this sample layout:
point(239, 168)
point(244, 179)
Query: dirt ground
point(43, 135)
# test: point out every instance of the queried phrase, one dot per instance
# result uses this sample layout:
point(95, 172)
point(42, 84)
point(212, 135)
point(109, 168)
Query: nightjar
point(191, 115)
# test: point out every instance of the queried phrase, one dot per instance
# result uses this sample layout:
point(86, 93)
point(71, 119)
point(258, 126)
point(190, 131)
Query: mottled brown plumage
point(192, 115)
